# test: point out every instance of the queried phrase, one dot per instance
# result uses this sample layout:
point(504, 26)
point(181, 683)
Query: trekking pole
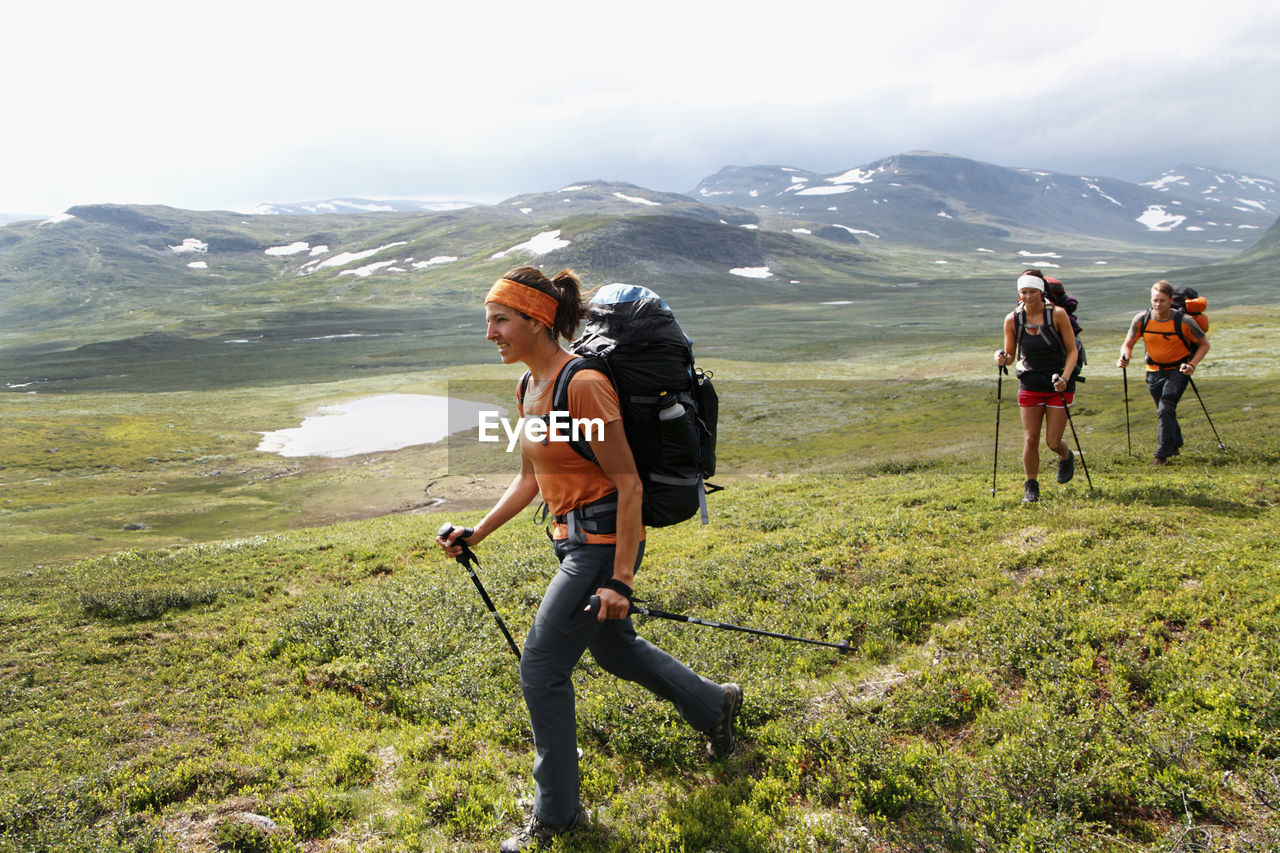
point(995, 453)
point(1067, 409)
point(465, 559)
point(1221, 446)
point(842, 646)
point(1124, 371)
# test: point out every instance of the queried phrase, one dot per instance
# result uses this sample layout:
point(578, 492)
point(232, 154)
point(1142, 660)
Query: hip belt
point(599, 517)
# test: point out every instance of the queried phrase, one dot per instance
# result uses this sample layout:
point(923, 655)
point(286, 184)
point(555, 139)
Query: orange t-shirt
point(1163, 344)
point(565, 479)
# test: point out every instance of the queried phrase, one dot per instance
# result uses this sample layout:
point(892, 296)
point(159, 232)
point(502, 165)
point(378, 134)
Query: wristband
point(618, 587)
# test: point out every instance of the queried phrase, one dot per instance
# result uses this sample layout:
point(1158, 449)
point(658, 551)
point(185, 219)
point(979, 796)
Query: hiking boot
point(722, 741)
point(539, 834)
point(1067, 468)
point(1160, 460)
point(1031, 491)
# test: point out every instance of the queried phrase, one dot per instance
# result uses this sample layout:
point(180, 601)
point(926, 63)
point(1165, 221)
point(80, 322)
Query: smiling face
point(514, 334)
point(1031, 297)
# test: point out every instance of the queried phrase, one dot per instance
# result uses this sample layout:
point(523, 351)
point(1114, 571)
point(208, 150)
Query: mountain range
point(130, 281)
point(954, 199)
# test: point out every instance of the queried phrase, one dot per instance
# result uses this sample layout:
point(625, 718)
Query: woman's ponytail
point(571, 311)
point(565, 288)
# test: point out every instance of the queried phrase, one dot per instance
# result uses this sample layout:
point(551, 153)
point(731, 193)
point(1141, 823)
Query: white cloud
point(621, 110)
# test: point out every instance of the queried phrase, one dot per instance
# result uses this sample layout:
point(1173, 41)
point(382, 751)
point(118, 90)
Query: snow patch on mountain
point(833, 190)
point(855, 176)
point(369, 269)
point(539, 244)
point(433, 262)
point(638, 200)
point(856, 231)
point(1088, 182)
point(751, 272)
point(344, 258)
point(1162, 183)
point(1156, 218)
point(190, 246)
point(291, 249)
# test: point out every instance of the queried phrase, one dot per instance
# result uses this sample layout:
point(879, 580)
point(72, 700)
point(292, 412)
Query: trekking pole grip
point(593, 605)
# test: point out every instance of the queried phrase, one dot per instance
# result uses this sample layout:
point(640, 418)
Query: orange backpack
point(1186, 299)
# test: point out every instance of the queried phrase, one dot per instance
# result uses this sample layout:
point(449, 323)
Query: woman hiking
point(1039, 338)
point(599, 552)
point(1175, 344)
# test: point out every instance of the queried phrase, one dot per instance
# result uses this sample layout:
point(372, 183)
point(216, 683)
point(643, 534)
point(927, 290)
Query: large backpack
point(669, 407)
point(1186, 299)
point(1056, 292)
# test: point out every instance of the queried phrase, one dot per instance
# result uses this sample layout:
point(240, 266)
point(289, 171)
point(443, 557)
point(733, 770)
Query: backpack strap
point(560, 395)
point(524, 386)
point(1178, 317)
point(1051, 331)
point(1047, 329)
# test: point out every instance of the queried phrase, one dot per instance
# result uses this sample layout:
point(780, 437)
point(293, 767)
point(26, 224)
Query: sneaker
point(1031, 492)
point(1067, 468)
point(539, 834)
point(721, 736)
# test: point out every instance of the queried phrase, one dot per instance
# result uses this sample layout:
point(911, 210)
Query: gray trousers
point(561, 632)
point(1166, 387)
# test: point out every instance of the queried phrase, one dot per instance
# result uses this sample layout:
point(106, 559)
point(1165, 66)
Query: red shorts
point(1052, 399)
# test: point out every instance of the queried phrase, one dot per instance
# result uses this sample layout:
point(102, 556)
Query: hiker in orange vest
point(1175, 344)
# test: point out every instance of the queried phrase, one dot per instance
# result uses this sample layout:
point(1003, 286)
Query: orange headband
point(525, 299)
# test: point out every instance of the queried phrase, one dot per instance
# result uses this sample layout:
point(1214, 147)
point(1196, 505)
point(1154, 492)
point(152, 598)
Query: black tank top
point(1040, 353)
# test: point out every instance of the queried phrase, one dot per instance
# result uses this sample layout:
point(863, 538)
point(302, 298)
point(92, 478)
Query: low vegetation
point(1096, 672)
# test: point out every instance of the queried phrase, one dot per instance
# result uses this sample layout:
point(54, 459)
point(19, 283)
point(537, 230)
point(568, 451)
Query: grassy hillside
point(1095, 672)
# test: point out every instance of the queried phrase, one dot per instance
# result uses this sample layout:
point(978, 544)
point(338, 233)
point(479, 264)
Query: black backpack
point(669, 407)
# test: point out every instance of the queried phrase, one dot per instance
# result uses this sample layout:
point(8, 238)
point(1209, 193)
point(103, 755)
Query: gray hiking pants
point(560, 634)
point(1166, 387)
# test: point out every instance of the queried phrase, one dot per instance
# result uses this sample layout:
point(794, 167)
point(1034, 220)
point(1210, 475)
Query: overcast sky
point(229, 104)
